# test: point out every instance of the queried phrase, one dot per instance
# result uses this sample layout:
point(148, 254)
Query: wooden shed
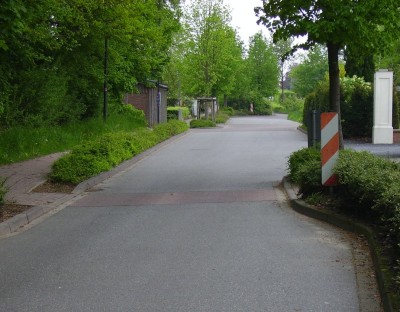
point(152, 100)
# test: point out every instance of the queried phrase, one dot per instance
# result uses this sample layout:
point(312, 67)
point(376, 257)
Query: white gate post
point(382, 132)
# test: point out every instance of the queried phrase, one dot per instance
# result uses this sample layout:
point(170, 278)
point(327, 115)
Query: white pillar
point(383, 105)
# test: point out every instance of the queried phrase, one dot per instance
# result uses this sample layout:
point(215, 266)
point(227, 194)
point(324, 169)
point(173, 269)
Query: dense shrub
point(202, 123)
point(356, 102)
point(173, 112)
point(292, 103)
point(357, 106)
point(263, 107)
point(370, 183)
point(227, 110)
point(304, 168)
point(396, 113)
point(108, 151)
point(222, 117)
point(3, 190)
point(317, 100)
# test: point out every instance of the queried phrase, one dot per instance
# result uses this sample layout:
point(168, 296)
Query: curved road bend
point(195, 226)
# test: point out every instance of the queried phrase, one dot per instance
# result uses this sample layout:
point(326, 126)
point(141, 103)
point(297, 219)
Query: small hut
point(208, 105)
point(152, 100)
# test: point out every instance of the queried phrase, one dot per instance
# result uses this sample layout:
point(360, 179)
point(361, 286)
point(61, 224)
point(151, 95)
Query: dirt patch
point(52, 187)
point(7, 211)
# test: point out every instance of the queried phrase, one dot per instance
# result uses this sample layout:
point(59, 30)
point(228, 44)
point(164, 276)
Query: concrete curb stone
point(4, 229)
point(349, 225)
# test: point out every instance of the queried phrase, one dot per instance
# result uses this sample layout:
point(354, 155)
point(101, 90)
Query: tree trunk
point(334, 84)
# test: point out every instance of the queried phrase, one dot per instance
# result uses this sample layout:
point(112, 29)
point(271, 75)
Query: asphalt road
point(195, 226)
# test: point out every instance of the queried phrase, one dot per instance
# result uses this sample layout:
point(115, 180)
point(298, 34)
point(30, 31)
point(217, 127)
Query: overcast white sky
point(244, 18)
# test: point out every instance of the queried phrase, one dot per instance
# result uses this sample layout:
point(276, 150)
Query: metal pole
point(105, 91)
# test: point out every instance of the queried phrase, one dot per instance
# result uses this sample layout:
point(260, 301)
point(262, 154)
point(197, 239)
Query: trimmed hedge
point(92, 158)
point(202, 123)
point(173, 112)
point(372, 186)
point(304, 168)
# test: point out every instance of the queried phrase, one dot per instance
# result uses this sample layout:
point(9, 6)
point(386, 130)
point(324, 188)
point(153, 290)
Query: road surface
point(196, 226)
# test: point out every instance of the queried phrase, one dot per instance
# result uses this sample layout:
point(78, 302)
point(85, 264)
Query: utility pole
point(105, 91)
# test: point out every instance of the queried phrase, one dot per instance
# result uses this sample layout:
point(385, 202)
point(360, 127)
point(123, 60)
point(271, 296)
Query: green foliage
point(262, 68)
point(317, 100)
point(359, 65)
point(21, 143)
point(356, 104)
point(370, 185)
point(304, 168)
point(52, 55)
point(396, 110)
point(223, 116)
point(202, 123)
point(109, 150)
point(173, 112)
point(227, 110)
point(307, 75)
point(328, 22)
point(292, 105)
point(167, 130)
point(262, 107)
point(207, 54)
point(357, 107)
point(3, 190)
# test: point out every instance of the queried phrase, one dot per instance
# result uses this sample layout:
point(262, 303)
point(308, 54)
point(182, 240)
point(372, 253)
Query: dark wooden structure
point(152, 100)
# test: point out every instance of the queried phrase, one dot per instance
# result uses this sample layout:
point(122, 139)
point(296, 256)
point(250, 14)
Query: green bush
point(3, 190)
point(227, 110)
point(304, 168)
point(292, 103)
point(356, 107)
point(222, 117)
point(263, 107)
point(90, 159)
point(173, 112)
point(396, 113)
point(202, 123)
point(368, 181)
point(356, 102)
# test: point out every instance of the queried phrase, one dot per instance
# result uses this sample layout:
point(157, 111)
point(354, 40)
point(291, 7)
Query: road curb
point(18, 221)
point(349, 225)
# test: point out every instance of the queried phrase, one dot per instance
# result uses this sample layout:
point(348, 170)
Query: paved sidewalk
point(23, 177)
point(391, 151)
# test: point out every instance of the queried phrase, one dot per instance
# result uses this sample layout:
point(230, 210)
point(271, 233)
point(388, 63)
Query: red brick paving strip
point(124, 199)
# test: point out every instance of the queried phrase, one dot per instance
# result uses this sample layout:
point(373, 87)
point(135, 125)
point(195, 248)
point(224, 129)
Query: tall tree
point(310, 71)
point(282, 49)
point(52, 54)
point(262, 66)
point(367, 25)
point(212, 49)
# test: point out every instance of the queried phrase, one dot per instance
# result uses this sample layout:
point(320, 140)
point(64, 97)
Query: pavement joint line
point(346, 224)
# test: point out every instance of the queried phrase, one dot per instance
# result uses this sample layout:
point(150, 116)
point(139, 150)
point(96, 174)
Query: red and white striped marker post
point(329, 147)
